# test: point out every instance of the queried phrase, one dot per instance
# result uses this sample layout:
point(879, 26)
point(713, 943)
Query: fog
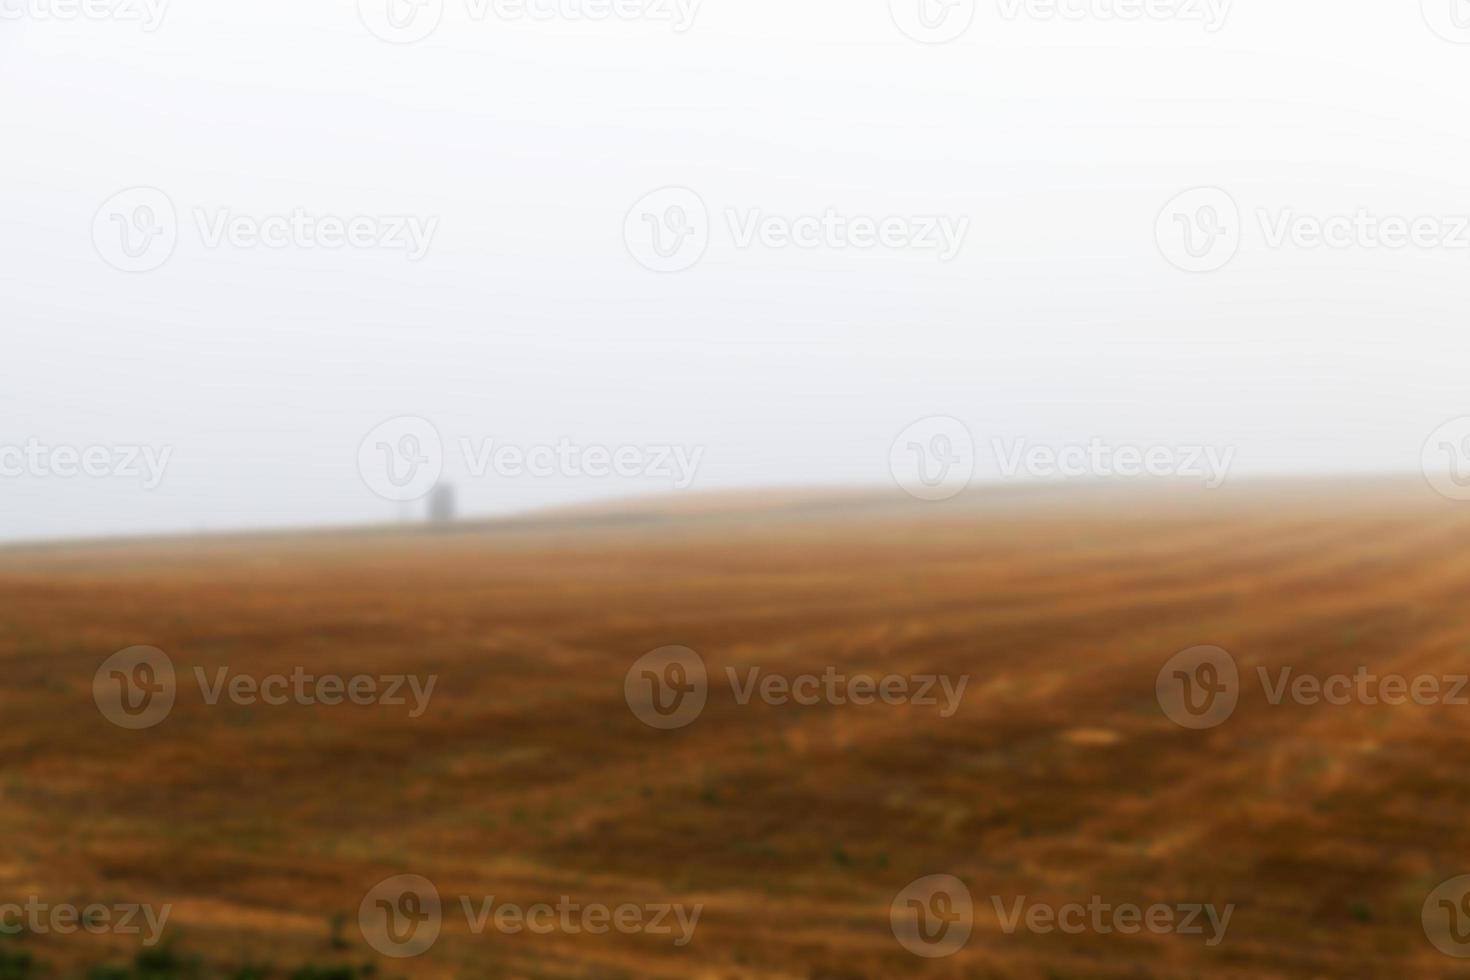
point(486, 230)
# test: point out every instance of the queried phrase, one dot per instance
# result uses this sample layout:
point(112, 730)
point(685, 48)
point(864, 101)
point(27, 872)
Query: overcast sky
point(991, 245)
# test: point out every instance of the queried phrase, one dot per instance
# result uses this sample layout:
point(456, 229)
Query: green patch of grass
point(325, 973)
point(338, 931)
point(15, 966)
point(164, 963)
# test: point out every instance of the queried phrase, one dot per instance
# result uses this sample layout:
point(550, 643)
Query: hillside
point(528, 777)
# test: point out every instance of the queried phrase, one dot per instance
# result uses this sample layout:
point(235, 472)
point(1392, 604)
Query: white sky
point(529, 321)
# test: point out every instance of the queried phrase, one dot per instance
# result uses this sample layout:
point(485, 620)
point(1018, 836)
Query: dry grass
point(529, 778)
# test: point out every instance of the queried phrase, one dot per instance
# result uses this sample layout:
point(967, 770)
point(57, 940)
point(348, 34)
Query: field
point(528, 777)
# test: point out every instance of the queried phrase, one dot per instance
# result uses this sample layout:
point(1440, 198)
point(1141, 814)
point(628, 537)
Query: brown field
point(529, 778)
